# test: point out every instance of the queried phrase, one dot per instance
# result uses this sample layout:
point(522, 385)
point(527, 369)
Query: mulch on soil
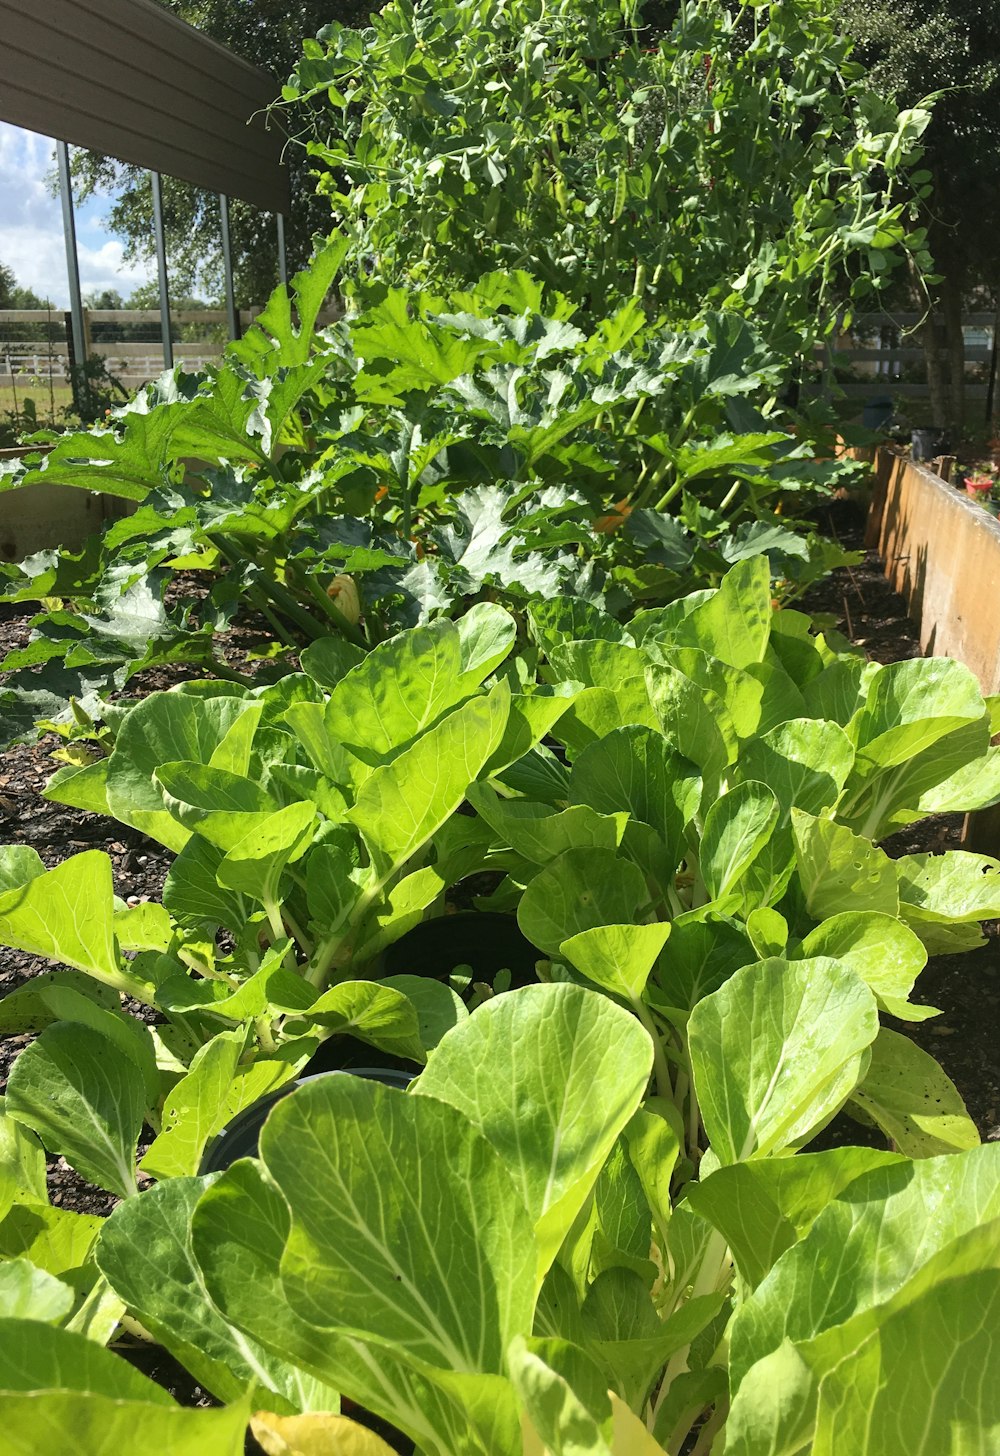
point(862, 605)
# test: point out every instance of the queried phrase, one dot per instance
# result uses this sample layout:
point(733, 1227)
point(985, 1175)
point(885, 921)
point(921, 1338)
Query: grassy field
point(45, 403)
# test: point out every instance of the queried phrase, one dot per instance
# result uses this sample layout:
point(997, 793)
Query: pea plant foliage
point(594, 1222)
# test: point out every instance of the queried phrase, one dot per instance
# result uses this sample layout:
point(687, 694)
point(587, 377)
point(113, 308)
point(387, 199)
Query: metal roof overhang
point(128, 79)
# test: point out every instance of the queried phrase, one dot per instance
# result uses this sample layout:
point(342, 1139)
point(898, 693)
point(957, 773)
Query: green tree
point(269, 34)
point(953, 47)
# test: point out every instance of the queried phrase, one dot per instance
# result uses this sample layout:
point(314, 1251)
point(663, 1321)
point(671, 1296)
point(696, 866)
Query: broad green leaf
point(220, 806)
point(736, 828)
point(18, 865)
point(369, 1250)
point(438, 1007)
point(255, 864)
point(618, 958)
point(550, 1075)
point(695, 721)
point(402, 908)
point(30, 1007)
point(127, 1034)
point(540, 833)
point(805, 762)
point(80, 788)
point(734, 624)
point(865, 1246)
point(164, 728)
point(840, 690)
point(144, 1252)
point(314, 725)
point(596, 712)
point(975, 785)
point(99, 1313)
point(911, 1098)
point(37, 1358)
point(53, 1239)
point(764, 1206)
point(404, 802)
point(193, 1108)
point(31, 1294)
point(634, 768)
point(957, 886)
point(62, 1392)
point(486, 633)
point(581, 889)
point(531, 717)
point(234, 752)
point(652, 1136)
point(571, 619)
point(240, 1230)
point(630, 1339)
point(597, 663)
point(892, 1381)
point(882, 950)
point(85, 1098)
point(559, 1422)
point(145, 926)
point(740, 692)
point(912, 705)
point(397, 691)
point(331, 892)
point(775, 1052)
point(703, 951)
point(878, 798)
point(376, 1012)
point(769, 932)
point(329, 659)
point(191, 893)
point(66, 914)
point(839, 871)
point(22, 1165)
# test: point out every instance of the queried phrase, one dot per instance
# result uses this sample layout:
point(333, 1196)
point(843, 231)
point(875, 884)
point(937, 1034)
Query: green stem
point(664, 1085)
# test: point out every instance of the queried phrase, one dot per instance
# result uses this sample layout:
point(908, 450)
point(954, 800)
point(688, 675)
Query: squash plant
point(395, 468)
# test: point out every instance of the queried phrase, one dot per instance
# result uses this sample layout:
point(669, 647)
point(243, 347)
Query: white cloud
point(31, 234)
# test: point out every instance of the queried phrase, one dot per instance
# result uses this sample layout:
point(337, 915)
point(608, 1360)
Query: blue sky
point(31, 235)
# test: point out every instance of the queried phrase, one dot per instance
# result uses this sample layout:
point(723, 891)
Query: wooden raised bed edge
point(941, 552)
point(41, 517)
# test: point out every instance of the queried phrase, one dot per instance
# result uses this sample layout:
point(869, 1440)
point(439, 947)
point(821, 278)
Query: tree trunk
point(932, 338)
point(951, 300)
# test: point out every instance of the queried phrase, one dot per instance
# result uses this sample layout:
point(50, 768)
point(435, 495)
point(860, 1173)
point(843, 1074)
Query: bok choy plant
point(514, 1258)
point(723, 777)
